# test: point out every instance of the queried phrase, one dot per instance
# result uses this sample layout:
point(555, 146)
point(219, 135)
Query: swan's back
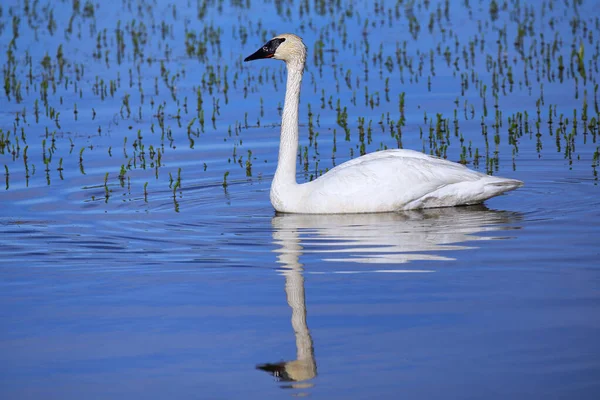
point(393, 180)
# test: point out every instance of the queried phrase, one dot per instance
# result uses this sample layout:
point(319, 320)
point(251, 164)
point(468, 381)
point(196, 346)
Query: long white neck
point(288, 146)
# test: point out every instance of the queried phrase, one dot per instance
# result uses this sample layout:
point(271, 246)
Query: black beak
point(267, 51)
point(263, 52)
point(277, 370)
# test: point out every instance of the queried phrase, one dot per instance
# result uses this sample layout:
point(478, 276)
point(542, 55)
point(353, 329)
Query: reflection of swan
point(390, 238)
point(387, 180)
point(305, 366)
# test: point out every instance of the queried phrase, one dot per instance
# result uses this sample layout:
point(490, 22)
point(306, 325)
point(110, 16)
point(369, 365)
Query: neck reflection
point(304, 367)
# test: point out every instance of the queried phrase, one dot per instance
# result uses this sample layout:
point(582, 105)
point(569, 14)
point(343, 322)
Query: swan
point(383, 181)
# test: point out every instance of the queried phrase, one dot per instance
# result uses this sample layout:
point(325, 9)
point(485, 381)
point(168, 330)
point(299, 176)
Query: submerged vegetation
point(481, 83)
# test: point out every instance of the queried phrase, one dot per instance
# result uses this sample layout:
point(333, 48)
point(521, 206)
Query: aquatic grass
point(151, 68)
point(225, 184)
point(249, 164)
point(106, 190)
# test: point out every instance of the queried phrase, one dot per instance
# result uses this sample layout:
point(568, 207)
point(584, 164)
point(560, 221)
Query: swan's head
point(286, 47)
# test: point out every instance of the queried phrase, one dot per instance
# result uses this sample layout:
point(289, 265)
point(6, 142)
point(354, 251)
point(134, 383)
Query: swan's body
point(383, 181)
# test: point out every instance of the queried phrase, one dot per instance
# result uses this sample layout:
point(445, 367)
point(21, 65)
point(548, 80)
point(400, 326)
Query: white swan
point(383, 181)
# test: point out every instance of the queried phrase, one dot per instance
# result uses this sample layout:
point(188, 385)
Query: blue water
point(113, 290)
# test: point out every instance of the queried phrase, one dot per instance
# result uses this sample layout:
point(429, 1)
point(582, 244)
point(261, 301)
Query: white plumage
point(389, 180)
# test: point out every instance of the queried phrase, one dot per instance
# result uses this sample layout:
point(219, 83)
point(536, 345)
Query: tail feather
point(497, 186)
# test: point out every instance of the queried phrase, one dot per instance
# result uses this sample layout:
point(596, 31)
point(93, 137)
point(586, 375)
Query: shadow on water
point(369, 238)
